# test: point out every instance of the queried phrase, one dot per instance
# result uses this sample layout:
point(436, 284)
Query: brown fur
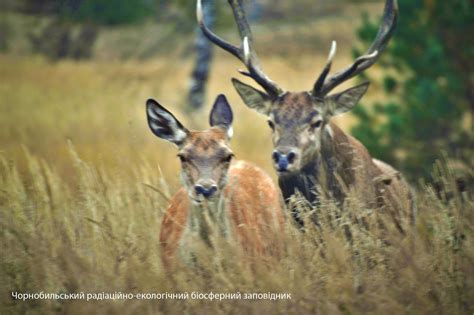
point(373, 181)
point(332, 160)
point(219, 199)
point(252, 203)
point(310, 153)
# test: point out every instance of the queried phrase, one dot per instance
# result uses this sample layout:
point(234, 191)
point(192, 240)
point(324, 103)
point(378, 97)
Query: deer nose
point(284, 158)
point(205, 190)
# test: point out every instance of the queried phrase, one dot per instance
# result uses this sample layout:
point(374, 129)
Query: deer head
point(205, 155)
point(299, 120)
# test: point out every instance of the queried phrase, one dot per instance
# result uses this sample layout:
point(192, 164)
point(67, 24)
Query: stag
point(312, 155)
point(221, 197)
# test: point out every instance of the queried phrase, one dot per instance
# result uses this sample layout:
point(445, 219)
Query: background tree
point(429, 77)
point(74, 24)
point(203, 49)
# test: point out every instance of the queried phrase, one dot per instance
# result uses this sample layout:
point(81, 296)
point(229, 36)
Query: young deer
point(311, 154)
point(234, 200)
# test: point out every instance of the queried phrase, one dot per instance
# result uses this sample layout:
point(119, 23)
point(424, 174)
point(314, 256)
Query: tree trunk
point(204, 55)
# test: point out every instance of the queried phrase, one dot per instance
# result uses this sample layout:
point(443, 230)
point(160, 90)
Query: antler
point(245, 53)
point(326, 84)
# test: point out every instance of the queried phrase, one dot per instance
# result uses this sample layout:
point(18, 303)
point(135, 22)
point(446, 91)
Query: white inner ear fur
point(180, 135)
point(151, 113)
point(155, 127)
point(156, 114)
point(230, 132)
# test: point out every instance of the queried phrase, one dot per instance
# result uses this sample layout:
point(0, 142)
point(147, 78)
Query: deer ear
point(163, 124)
point(253, 98)
point(345, 101)
point(221, 115)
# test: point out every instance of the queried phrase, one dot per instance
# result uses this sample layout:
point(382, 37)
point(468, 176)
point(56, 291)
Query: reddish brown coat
point(253, 206)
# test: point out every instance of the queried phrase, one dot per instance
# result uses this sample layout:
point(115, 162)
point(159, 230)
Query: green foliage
point(428, 77)
point(103, 12)
point(108, 12)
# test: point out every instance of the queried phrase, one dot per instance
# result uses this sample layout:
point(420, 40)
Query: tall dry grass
point(102, 236)
point(84, 184)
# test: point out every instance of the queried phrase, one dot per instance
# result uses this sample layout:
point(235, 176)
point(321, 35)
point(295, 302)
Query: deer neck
point(207, 221)
point(336, 159)
point(323, 169)
point(302, 182)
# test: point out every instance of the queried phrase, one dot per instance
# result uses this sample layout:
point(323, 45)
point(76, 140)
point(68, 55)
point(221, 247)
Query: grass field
point(84, 185)
point(76, 215)
point(101, 236)
point(99, 107)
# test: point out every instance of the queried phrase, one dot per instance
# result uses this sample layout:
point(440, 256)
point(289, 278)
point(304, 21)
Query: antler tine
point(234, 50)
point(256, 73)
point(240, 19)
point(246, 54)
point(364, 62)
point(322, 77)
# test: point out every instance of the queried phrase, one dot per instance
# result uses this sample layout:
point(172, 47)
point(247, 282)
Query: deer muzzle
point(284, 159)
point(207, 189)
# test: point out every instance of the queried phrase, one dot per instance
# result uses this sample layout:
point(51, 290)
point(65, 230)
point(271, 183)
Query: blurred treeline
point(69, 28)
point(429, 83)
point(427, 72)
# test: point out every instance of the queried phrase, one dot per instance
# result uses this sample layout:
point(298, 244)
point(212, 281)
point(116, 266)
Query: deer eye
point(316, 125)
point(228, 158)
point(182, 158)
point(271, 124)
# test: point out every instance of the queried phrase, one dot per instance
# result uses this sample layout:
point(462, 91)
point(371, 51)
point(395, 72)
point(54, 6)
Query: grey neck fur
point(206, 221)
point(320, 171)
